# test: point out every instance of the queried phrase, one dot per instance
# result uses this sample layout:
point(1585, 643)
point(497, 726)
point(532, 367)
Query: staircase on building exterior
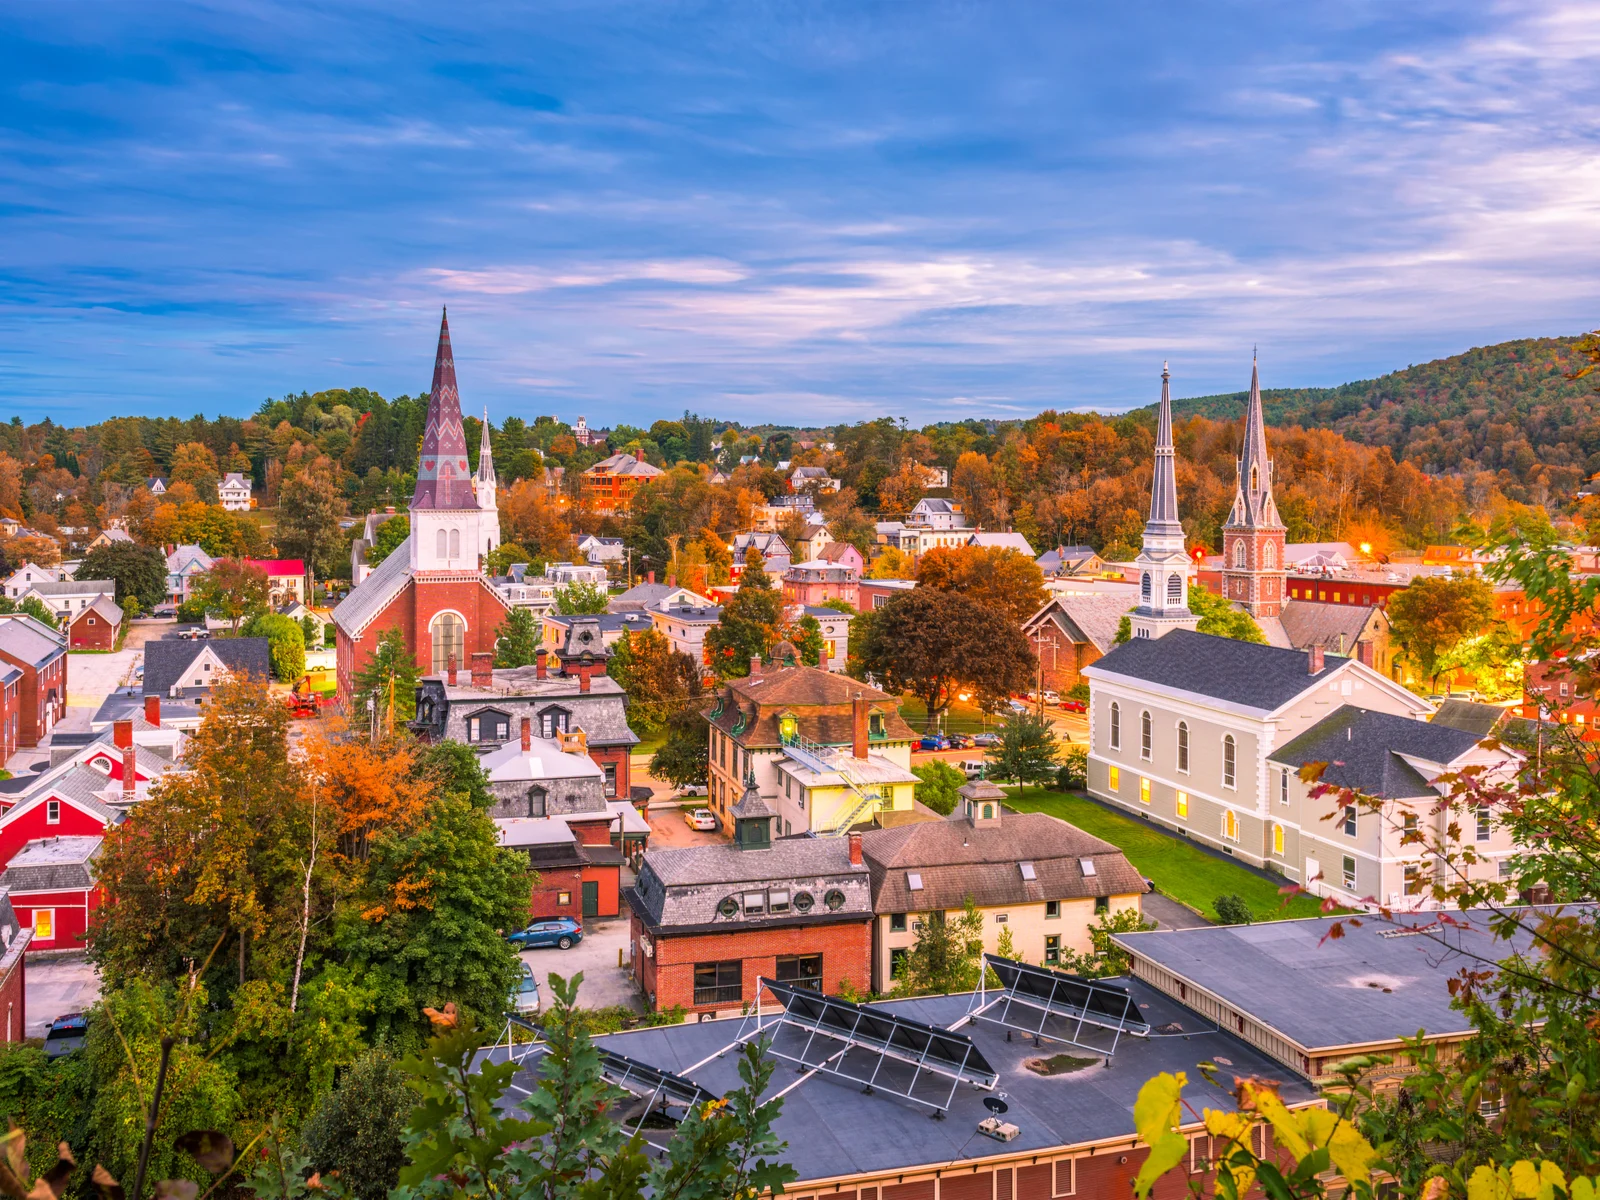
point(823, 759)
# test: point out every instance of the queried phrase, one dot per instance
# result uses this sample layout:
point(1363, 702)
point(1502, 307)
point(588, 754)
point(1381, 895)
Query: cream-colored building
point(1045, 881)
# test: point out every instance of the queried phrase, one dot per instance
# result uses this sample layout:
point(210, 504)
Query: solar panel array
point(875, 1048)
point(641, 1079)
point(1065, 1004)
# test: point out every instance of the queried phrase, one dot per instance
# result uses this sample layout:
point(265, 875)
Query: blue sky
point(798, 212)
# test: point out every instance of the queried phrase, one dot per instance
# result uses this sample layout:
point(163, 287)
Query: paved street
point(604, 983)
point(57, 985)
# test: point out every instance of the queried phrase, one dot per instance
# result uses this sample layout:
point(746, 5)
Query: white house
point(234, 492)
point(25, 576)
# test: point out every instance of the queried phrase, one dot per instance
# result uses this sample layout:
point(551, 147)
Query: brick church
point(433, 586)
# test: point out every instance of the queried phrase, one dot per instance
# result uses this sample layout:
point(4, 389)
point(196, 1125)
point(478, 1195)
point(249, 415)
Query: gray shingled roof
point(166, 660)
point(1335, 627)
point(24, 638)
point(1363, 748)
point(374, 593)
point(682, 888)
point(955, 859)
point(1243, 673)
point(74, 587)
point(105, 608)
point(1088, 619)
point(1477, 719)
point(52, 864)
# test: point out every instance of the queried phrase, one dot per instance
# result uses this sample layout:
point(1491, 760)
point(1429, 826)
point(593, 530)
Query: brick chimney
point(755, 666)
point(450, 670)
point(649, 576)
point(858, 726)
point(152, 709)
point(585, 670)
point(482, 668)
point(527, 734)
point(122, 734)
point(129, 775)
point(1314, 660)
point(1365, 653)
point(539, 657)
point(855, 849)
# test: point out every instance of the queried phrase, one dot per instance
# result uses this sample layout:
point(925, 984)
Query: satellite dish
point(995, 1105)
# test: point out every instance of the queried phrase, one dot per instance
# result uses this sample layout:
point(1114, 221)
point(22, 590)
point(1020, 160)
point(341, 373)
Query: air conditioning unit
point(1000, 1131)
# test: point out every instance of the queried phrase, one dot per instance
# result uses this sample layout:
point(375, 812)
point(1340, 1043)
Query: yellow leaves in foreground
point(1528, 1181)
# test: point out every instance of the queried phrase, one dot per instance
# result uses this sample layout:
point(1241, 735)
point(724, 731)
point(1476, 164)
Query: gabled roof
point(1335, 627)
point(26, 639)
point(1479, 720)
point(1005, 541)
point(105, 608)
point(833, 552)
point(650, 595)
point(1243, 673)
point(624, 464)
point(1090, 620)
point(375, 593)
point(1363, 750)
point(234, 479)
point(167, 660)
point(184, 555)
point(74, 587)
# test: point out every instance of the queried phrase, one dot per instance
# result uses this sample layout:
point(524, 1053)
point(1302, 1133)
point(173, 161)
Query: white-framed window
point(1230, 825)
point(1349, 872)
point(1183, 806)
point(1230, 761)
point(1349, 820)
point(1183, 746)
point(1146, 735)
point(52, 812)
point(1116, 726)
point(1483, 827)
point(44, 924)
point(1064, 1177)
point(1283, 786)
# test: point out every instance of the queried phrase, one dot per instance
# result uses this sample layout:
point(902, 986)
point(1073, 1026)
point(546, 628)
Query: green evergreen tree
point(749, 624)
point(389, 671)
point(518, 639)
point(1027, 751)
point(944, 958)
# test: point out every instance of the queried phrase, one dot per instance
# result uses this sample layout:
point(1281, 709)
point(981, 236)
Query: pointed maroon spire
point(443, 478)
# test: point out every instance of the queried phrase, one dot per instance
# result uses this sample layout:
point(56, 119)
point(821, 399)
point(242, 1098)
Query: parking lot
point(604, 983)
point(57, 983)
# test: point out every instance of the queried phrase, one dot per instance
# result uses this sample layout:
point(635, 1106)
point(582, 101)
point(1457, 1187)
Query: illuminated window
point(1230, 825)
point(1183, 805)
point(44, 924)
point(1277, 839)
point(1144, 790)
point(1115, 780)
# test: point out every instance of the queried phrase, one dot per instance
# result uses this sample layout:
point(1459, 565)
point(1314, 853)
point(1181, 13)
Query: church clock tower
point(1253, 571)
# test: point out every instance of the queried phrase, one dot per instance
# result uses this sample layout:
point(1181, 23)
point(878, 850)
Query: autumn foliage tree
point(1433, 615)
point(232, 590)
point(1001, 578)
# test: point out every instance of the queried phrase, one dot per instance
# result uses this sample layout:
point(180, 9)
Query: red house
point(96, 627)
point(52, 888)
point(39, 653)
point(14, 939)
point(286, 579)
point(10, 709)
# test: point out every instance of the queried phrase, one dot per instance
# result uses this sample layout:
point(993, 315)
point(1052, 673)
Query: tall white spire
point(1165, 570)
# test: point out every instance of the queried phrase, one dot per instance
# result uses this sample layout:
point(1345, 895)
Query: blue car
point(66, 1034)
point(558, 931)
point(934, 741)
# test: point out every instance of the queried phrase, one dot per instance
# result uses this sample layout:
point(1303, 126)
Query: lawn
point(958, 718)
point(1180, 869)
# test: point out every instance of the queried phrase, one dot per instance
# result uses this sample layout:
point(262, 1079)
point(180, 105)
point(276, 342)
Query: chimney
point(1314, 660)
point(450, 670)
point(1365, 653)
point(855, 849)
point(129, 775)
point(539, 656)
point(152, 709)
point(649, 576)
point(527, 734)
point(755, 666)
point(483, 668)
point(858, 726)
point(122, 734)
point(584, 671)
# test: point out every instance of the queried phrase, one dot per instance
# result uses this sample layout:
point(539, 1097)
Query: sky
point(796, 213)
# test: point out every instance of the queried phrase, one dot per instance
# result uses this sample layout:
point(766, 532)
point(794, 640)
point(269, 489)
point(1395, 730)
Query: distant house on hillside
point(234, 492)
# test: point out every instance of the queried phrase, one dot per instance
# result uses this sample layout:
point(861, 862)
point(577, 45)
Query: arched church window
point(442, 544)
point(1175, 589)
point(1238, 554)
point(455, 543)
point(1269, 556)
point(1255, 479)
point(1144, 586)
point(449, 641)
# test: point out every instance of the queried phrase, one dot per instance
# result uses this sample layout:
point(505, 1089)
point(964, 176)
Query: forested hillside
point(1507, 409)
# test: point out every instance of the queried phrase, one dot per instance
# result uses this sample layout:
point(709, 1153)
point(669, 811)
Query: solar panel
point(876, 1048)
point(651, 1084)
point(1065, 1004)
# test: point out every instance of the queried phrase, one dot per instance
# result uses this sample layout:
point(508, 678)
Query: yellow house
point(1042, 879)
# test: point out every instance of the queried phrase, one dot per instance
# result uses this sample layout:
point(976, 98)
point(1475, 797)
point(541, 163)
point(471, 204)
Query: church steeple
point(1253, 572)
point(444, 480)
point(1164, 565)
point(483, 482)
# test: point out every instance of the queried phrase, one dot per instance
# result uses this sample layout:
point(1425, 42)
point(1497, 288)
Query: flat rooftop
point(1378, 982)
point(833, 1129)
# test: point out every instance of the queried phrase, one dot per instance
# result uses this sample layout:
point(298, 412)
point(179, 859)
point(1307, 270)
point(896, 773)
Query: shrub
point(938, 787)
point(1232, 910)
point(1074, 770)
point(356, 1128)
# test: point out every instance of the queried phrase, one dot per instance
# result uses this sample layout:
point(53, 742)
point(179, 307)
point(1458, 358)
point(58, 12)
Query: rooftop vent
point(913, 881)
point(1087, 866)
point(1028, 872)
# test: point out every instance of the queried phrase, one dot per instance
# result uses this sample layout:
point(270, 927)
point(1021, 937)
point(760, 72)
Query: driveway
point(668, 830)
point(604, 983)
point(93, 677)
point(56, 986)
point(1167, 913)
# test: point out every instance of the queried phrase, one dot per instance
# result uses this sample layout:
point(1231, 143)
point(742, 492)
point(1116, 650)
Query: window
point(1052, 948)
point(449, 641)
point(52, 812)
point(1277, 840)
point(1230, 825)
point(1238, 554)
point(1052, 910)
point(1144, 587)
point(488, 726)
point(897, 922)
point(1283, 786)
point(1028, 873)
point(610, 770)
point(1114, 780)
point(441, 543)
point(1183, 805)
point(563, 898)
point(554, 720)
point(755, 903)
point(801, 970)
point(1413, 879)
point(1183, 746)
point(1229, 762)
point(1483, 823)
point(455, 543)
point(1349, 872)
point(1116, 727)
point(1146, 736)
point(778, 901)
point(719, 982)
point(44, 924)
point(1408, 823)
point(1144, 790)
point(1102, 904)
point(897, 961)
point(1269, 557)
point(1350, 820)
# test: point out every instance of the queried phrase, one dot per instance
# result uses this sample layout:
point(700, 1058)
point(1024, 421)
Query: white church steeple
point(1165, 570)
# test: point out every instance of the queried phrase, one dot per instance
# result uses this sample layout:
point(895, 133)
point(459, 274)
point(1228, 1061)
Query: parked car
point(525, 995)
point(934, 741)
point(1074, 706)
point(67, 1033)
point(959, 741)
point(986, 739)
point(972, 768)
point(563, 932)
point(1017, 706)
point(702, 819)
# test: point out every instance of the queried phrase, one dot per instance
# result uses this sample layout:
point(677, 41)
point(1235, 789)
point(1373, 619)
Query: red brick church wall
point(410, 612)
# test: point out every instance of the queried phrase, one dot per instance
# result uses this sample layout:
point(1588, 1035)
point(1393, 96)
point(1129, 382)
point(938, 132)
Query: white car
point(702, 819)
point(525, 996)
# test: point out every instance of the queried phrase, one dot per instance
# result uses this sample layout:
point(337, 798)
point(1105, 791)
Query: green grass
point(649, 744)
point(959, 718)
point(1181, 870)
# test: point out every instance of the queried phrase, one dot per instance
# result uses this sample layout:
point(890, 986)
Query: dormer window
point(875, 726)
point(488, 725)
point(553, 721)
point(787, 727)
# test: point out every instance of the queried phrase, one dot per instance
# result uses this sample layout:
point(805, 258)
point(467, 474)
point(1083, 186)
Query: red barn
point(96, 627)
